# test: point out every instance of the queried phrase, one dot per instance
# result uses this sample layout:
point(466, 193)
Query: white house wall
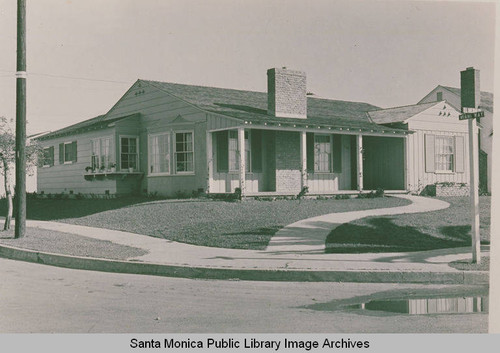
point(328, 182)
point(486, 125)
point(430, 122)
point(70, 177)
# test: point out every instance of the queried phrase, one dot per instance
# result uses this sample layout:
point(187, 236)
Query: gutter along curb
point(228, 273)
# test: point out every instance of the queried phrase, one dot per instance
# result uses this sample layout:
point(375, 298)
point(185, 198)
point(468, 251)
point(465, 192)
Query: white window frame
point(150, 154)
point(437, 154)
point(330, 162)
point(248, 152)
point(64, 152)
point(111, 150)
point(138, 150)
point(174, 152)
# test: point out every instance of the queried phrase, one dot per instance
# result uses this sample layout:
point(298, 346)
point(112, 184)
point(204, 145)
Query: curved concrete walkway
point(298, 247)
point(309, 235)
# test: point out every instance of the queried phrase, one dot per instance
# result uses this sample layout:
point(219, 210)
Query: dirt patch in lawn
point(69, 244)
point(448, 228)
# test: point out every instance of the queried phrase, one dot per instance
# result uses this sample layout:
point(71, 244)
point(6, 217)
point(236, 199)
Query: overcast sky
point(383, 53)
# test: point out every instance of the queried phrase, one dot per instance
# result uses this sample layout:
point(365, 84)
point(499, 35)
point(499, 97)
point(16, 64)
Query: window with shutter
point(67, 152)
point(47, 159)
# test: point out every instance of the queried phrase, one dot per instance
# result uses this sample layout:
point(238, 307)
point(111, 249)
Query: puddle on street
point(455, 305)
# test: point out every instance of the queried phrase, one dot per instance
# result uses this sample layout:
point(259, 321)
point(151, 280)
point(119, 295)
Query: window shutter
point(61, 153)
point(459, 154)
point(337, 153)
point(222, 151)
point(73, 151)
point(429, 153)
point(310, 152)
point(256, 150)
point(51, 155)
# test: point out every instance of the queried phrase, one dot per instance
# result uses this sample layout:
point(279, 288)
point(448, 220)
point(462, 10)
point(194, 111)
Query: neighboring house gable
point(453, 96)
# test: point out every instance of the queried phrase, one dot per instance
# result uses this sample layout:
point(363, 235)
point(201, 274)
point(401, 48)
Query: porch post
point(241, 149)
point(303, 159)
point(359, 149)
point(210, 162)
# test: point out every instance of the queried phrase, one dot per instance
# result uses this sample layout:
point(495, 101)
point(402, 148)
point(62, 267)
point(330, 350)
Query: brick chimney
point(286, 93)
point(469, 87)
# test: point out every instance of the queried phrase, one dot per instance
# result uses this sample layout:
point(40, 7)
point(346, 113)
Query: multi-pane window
point(67, 152)
point(129, 153)
point(102, 156)
point(234, 153)
point(322, 153)
point(159, 154)
point(48, 157)
point(184, 152)
point(444, 152)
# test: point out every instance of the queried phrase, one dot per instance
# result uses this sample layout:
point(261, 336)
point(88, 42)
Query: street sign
point(475, 115)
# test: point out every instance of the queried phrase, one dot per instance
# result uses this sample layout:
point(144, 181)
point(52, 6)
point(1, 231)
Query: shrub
point(342, 197)
point(237, 194)
point(303, 192)
point(379, 192)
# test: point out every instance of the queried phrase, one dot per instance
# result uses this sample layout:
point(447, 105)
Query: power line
point(68, 77)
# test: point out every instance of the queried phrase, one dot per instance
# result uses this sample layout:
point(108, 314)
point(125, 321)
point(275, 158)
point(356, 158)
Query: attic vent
point(439, 96)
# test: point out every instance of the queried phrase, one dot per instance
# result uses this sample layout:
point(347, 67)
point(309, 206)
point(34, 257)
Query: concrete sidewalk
point(297, 252)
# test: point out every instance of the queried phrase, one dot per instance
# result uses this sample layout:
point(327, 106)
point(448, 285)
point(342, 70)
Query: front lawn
point(69, 244)
point(448, 228)
point(241, 225)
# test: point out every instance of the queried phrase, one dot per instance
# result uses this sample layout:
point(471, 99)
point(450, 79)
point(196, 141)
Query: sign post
point(470, 94)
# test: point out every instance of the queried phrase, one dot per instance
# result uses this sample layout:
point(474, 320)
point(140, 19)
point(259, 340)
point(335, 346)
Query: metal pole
point(20, 192)
point(474, 193)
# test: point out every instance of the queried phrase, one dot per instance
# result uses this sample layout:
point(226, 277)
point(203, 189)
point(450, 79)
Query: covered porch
point(281, 160)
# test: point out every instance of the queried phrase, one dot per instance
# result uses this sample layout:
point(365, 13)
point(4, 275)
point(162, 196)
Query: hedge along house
point(171, 138)
point(453, 96)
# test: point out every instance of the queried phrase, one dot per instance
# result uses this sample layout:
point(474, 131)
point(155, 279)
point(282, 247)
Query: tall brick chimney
point(286, 93)
point(469, 87)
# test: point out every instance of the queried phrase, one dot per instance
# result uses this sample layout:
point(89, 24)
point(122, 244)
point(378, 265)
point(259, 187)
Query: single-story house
point(453, 96)
point(168, 138)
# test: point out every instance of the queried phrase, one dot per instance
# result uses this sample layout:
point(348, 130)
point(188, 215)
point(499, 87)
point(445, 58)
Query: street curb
point(282, 275)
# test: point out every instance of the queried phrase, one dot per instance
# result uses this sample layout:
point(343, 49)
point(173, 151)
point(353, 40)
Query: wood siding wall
point(433, 124)
point(486, 126)
point(328, 182)
point(70, 177)
point(160, 112)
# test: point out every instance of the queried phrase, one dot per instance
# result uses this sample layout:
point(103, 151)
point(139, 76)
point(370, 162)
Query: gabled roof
point(399, 114)
point(98, 122)
point(486, 98)
point(251, 106)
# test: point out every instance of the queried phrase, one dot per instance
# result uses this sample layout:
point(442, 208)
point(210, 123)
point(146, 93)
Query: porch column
point(303, 159)
point(241, 149)
point(210, 163)
point(359, 149)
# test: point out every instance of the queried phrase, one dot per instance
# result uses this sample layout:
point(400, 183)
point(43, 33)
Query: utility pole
point(471, 97)
point(20, 192)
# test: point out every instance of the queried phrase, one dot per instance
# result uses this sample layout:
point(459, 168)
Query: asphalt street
point(40, 298)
